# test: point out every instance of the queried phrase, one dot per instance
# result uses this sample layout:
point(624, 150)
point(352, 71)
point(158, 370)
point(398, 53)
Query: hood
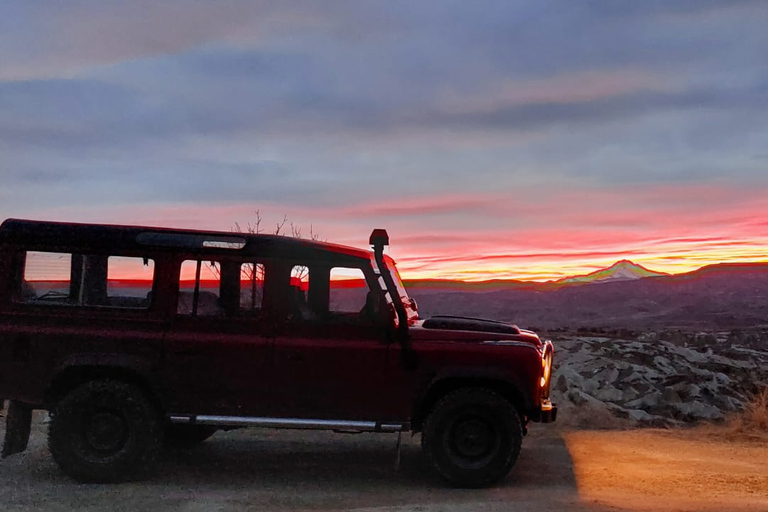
point(458, 328)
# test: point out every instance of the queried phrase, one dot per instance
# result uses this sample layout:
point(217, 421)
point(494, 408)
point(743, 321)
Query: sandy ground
point(695, 469)
point(264, 470)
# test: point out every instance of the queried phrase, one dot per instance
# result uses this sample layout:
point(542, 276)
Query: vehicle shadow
point(275, 470)
point(318, 470)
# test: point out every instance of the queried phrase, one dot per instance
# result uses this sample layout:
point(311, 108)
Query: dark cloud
point(317, 103)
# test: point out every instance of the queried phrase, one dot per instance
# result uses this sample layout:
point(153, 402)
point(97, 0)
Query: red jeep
point(135, 336)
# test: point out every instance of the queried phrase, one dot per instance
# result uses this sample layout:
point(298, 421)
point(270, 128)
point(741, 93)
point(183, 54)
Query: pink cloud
point(577, 87)
point(527, 234)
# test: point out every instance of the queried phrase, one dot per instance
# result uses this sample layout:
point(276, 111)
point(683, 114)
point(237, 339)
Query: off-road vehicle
point(132, 337)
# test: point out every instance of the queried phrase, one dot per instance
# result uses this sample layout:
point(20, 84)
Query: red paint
point(273, 361)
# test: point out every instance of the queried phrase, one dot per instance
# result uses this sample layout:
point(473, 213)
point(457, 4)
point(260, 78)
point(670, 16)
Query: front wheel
point(472, 437)
point(105, 431)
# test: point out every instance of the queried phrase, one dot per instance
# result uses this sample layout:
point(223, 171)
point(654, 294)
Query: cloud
point(579, 87)
point(84, 33)
point(495, 130)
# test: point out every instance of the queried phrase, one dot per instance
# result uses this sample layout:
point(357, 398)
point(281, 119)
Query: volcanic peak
point(623, 270)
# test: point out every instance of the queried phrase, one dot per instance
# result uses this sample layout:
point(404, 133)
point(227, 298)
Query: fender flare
point(81, 367)
point(507, 383)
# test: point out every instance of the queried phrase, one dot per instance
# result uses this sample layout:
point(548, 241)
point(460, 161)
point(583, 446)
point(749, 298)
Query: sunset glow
point(493, 140)
point(671, 229)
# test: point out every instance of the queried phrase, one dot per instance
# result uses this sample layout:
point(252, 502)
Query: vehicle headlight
point(546, 368)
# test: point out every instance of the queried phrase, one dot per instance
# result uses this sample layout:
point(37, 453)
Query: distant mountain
point(623, 270)
point(723, 296)
point(472, 286)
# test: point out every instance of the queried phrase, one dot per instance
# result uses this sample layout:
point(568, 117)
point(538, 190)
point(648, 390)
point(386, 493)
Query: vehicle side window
point(299, 301)
point(220, 288)
point(251, 286)
point(46, 278)
point(87, 280)
point(348, 291)
point(338, 295)
point(129, 281)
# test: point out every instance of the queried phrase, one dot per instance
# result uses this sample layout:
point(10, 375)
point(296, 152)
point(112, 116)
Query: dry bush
point(752, 422)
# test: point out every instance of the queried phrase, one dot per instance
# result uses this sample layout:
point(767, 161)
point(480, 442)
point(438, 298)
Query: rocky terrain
point(657, 379)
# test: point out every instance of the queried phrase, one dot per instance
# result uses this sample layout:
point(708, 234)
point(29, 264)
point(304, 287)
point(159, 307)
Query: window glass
point(300, 276)
point(87, 280)
point(46, 277)
point(300, 309)
point(220, 288)
point(199, 285)
point(348, 290)
point(129, 281)
point(251, 285)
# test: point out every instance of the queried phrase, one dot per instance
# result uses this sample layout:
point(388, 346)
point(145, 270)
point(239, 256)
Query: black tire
point(472, 437)
point(187, 436)
point(105, 431)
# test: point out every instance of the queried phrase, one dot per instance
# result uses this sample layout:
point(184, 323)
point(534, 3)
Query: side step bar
point(294, 423)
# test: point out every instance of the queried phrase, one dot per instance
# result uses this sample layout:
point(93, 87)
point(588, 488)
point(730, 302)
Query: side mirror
point(414, 306)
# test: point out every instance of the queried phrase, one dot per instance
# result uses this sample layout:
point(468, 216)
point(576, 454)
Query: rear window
point(87, 280)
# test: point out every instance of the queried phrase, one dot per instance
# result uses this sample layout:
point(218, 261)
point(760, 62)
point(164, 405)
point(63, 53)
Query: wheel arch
point(85, 370)
point(443, 386)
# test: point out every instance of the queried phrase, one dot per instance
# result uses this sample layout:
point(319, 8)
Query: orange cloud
point(526, 234)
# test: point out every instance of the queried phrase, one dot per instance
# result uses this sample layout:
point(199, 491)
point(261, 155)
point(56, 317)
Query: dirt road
point(655, 470)
point(263, 470)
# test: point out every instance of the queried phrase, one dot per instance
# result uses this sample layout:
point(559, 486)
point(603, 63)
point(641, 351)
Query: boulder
point(562, 384)
point(656, 379)
point(609, 394)
point(670, 396)
point(699, 411)
point(722, 379)
point(645, 402)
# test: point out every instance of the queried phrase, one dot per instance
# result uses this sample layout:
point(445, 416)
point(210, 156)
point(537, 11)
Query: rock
point(674, 380)
point(670, 396)
point(609, 375)
point(722, 379)
point(663, 363)
point(608, 394)
point(562, 384)
point(646, 401)
point(657, 379)
point(700, 411)
point(625, 373)
point(578, 397)
point(728, 403)
point(629, 393)
point(640, 415)
point(687, 391)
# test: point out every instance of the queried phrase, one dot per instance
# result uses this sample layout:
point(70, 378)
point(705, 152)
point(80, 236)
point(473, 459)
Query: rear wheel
point(105, 431)
point(187, 436)
point(472, 437)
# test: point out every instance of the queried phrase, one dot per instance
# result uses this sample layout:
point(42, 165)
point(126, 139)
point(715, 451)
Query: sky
point(492, 139)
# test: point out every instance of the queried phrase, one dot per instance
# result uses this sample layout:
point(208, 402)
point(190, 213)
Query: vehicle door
point(217, 355)
point(335, 363)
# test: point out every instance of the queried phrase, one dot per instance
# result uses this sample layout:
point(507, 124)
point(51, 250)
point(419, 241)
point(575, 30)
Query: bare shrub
point(752, 421)
point(749, 424)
